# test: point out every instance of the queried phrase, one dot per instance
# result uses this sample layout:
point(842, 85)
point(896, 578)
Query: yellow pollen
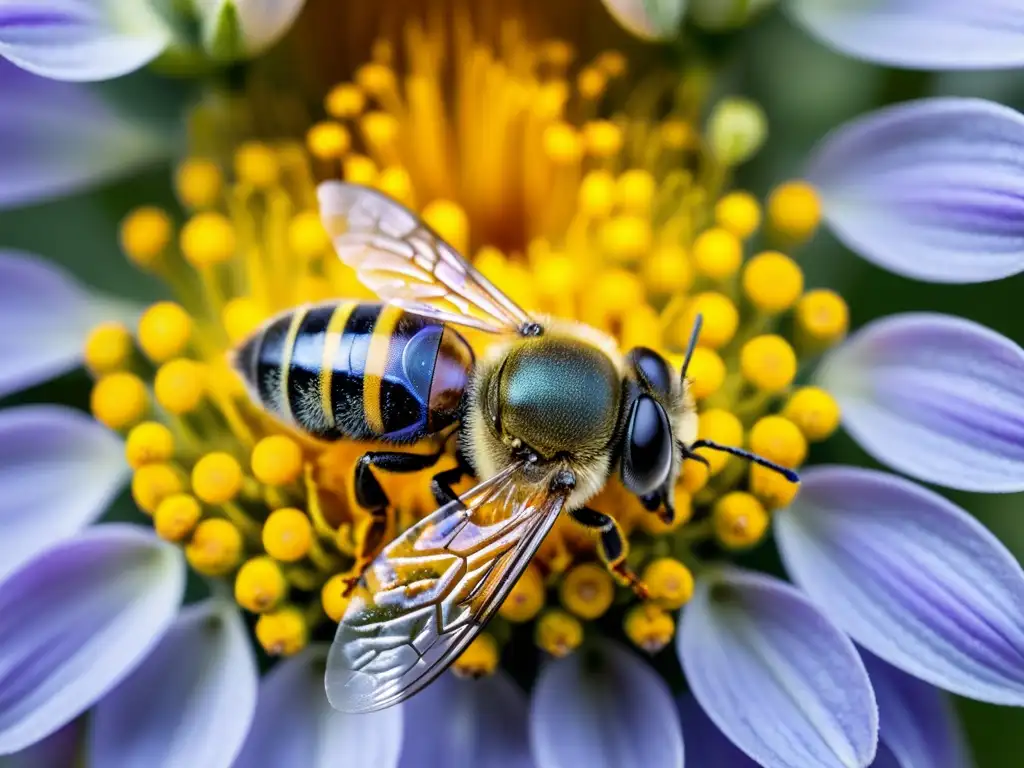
point(119, 400)
point(479, 659)
point(449, 220)
point(277, 460)
point(306, 235)
point(551, 99)
point(591, 82)
point(145, 234)
point(649, 627)
point(328, 140)
point(556, 275)
point(288, 534)
point(613, 63)
point(359, 169)
point(772, 282)
point(771, 488)
point(241, 316)
point(794, 210)
point(602, 138)
point(587, 590)
point(207, 239)
point(778, 439)
point(153, 483)
point(108, 348)
point(556, 52)
point(215, 548)
point(148, 443)
point(332, 597)
point(217, 478)
point(558, 633)
point(260, 585)
point(706, 372)
point(822, 316)
point(344, 101)
point(768, 362)
point(257, 164)
point(814, 411)
point(597, 194)
point(180, 385)
point(626, 238)
point(176, 517)
point(562, 143)
point(667, 270)
point(739, 519)
point(379, 128)
point(526, 599)
point(375, 79)
point(677, 134)
point(617, 291)
point(669, 583)
point(198, 182)
point(722, 427)
point(740, 213)
point(283, 632)
point(641, 328)
point(164, 331)
point(717, 253)
point(635, 191)
point(694, 476)
point(721, 319)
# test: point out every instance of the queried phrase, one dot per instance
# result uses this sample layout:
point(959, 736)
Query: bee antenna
point(787, 473)
point(692, 344)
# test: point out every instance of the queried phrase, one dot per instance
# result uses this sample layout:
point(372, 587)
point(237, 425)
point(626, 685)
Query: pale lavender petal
point(81, 39)
point(780, 680)
point(77, 620)
point(936, 397)
point(919, 34)
point(58, 750)
point(295, 724)
point(191, 701)
point(479, 723)
point(603, 708)
point(236, 29)
point(916, 720)
point(705, 744)
point(911, 577)
point(45, 152)
point(649, 19)
point(931, 189)
point(59, 469)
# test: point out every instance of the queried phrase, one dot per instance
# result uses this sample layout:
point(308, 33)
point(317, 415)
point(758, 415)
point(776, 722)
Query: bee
point(549, 413)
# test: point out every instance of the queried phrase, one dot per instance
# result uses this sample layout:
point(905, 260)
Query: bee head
point(648, 445)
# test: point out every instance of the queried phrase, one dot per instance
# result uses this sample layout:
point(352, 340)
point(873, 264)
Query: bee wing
point(432, 590)
point(405, 262)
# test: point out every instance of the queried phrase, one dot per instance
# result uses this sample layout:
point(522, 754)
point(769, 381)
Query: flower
point(617, 213)
point(88, 40)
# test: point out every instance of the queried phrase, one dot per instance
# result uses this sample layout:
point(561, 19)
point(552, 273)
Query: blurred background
point(805, 90)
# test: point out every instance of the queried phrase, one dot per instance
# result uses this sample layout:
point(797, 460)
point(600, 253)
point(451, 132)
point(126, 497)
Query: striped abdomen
point(357, 370)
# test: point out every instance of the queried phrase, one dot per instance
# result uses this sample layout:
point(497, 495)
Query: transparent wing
point(430, 592)
point(405, 262)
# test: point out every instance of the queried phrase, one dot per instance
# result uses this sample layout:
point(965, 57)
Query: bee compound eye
point(653, 369)
point(647, 454)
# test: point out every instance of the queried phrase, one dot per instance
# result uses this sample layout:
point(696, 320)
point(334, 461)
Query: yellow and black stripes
point(357, 370)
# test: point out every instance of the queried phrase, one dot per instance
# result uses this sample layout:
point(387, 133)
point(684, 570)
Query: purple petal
point(932, 189)
point(911, 577)
point(77, 620)
point(480, 723)
point(916, 721)
point(81, 39)
point(705, 744)
point(44, 154)
point(295, 725)
point(189, 703)
point(936, 397)
point(45, 317)
point(59, 470)
point(784, 684)
point(58, 750)
point(603, 708)
point(937, 34)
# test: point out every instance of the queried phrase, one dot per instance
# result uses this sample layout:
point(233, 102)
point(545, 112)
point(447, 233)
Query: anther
point(587, 591)
point(739, 519)
point(794, 210)
point(145, 235)
point(198, 182)
point(526, 599)
point(769, 363)
point(217, 478)
point(180, 385)
point(119, 400)
point(814, 411)
point(667, 270)
point(283, 632)
point(721, 319)
point(176, 517)
point(772, 282)
point(720, 426)
point(215, 548)
point(479, 659)
point(558, 633)
point(778, 439)
point(288, 534)
point(717, 253)
point(649, 627)
point(277, 460)
point(257, 164)
point(148, 443)
point(208, 239)
point(260, 586)
point(164, 331)
point(740, 213)
point(108, 348)
point(333, 599)
point(153, 483)
point(669, 583)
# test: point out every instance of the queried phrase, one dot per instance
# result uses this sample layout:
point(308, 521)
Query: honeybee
point(549, 412)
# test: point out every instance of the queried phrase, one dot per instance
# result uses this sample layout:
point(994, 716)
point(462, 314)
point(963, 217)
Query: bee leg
point(441, 484)
point(612, 547)
point(371, 497)
point(658, 502)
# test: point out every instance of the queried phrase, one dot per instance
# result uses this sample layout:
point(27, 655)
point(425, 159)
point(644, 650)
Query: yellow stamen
point(814, 411)
point(794, 210)
point(164, 331)
point(119, 400)
point(649, 627)
point(667, 270)
point(307, 237)
point(771, 488)
point(180, 385)
point(822, 316)
point(722, 427)
point(669, 583)
point(217, 478)
point(740, 213)
point(769, 363)
point(694, 476)
point(526, 599)
point(208, 239)
point(602, 138)
point(479, 659)
point(778, 439)
point(108, 348)
point(283, 632)
point(198, 183)
point(332, 597)
point(176, 517)
point(558, 633)
point(328, 140)
point(152, 483)
point(597, 194)
point(148, 443)
point(706, 372)
point(587, 591)
point(257, 164)
point(277, 460)
point(721, 319)
point(740, 520)
point(145, 234)
point(288, 535)
point(772, 282)
point(215, 548)
point(241, 316)
point(450, 222)
point(626, 238)
point(717, 253)
point(344, 101)
point(260, 585)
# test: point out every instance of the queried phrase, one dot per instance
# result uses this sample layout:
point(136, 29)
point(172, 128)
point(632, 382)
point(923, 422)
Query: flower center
point(576, 203)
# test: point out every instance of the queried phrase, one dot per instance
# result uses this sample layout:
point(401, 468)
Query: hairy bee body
point(358, 370)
